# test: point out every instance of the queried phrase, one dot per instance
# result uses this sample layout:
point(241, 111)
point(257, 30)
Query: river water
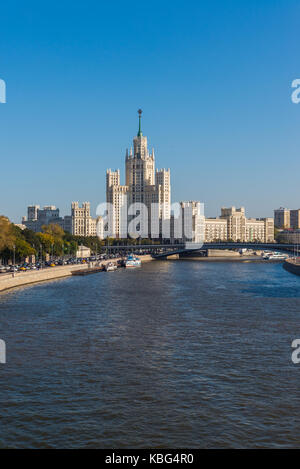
point(175, 354)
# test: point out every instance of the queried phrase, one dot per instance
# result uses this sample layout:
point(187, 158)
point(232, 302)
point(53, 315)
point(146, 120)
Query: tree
point(58, 247)
point(54, 230)
point(46, 240)
point(69, 247)
point(31, 237)
point(23, 249)
point(6, 233)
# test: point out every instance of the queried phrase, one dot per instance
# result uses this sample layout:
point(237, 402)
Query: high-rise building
point(32, 212)
point(282, 218)
point(143, 185)
point(215, 229)
point(295, 219)
point(37, 218)
point(116, 195)
point(193, 221)
point(79, 223)
point(290, 236)
point(82, 222)
point(236, 222)
point(269, 229)
point(233, 225)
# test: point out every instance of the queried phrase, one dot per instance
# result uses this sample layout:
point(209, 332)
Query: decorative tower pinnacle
point(140, 116)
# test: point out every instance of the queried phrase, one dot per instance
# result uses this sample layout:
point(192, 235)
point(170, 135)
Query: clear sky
point(212, 77)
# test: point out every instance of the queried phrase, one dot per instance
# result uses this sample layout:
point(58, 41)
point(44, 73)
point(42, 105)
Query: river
point(175, 354)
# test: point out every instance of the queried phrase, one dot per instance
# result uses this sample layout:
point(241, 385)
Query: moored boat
point(276, 256)
point(132, 261)
point(110, 267)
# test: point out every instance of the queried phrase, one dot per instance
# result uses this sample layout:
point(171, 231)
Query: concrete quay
point(292, 266)
point(10, 280)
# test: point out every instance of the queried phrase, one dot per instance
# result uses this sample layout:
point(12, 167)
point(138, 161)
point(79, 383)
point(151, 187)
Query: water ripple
point(176, 354)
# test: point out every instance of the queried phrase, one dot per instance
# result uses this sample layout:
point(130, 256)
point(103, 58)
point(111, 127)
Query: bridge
point(165, 250)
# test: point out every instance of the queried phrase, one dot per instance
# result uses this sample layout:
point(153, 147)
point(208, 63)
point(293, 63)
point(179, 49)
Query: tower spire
point(140, 116)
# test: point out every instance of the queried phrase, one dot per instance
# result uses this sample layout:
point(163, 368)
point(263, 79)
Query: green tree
point(23, 249)
point(46, 240)
point(31, 237)
point(54, 230)
point(6, 233)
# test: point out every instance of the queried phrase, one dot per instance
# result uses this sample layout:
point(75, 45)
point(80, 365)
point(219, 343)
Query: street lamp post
point(14, 260)
point(41, 254)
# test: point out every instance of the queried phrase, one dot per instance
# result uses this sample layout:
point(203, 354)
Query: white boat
point(266, 253)
point(133, 261)
point(110, 267)
point(276, 255)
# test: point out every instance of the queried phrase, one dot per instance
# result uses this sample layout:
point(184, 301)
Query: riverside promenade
point(8, 281)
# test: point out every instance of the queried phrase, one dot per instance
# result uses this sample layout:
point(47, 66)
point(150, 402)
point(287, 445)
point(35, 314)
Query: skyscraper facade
point(282, 218)
point(80, 222)
point(144, 185)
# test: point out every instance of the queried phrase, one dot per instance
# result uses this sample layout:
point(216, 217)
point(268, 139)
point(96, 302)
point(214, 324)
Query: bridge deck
point(171, 249)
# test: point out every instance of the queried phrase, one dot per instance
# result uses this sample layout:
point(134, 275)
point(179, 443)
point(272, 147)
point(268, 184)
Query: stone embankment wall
point(9, 280)
point(292, 266)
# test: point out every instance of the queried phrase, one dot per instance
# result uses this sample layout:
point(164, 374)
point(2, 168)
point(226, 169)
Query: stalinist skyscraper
point(143, 185)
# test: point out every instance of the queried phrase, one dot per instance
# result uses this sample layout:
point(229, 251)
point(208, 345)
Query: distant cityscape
point(148, 186)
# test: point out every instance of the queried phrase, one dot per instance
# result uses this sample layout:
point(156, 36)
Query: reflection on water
point(176, 354)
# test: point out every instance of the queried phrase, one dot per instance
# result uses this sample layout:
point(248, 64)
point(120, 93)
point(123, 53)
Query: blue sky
point(213, 79)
